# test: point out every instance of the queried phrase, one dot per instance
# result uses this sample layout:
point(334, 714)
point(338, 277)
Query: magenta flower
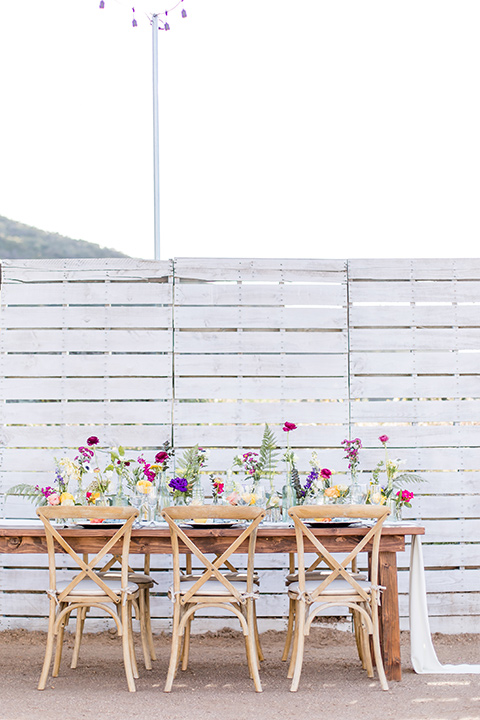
point(289, 426)
point(161, 456)
point(326, 473)
point(93, 440)
point(383, 439)
point(405, 496)
point(179, 483)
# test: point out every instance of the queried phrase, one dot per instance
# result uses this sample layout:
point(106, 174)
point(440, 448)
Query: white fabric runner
point(424, 657)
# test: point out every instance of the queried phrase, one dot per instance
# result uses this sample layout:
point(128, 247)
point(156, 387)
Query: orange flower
point(332, 492)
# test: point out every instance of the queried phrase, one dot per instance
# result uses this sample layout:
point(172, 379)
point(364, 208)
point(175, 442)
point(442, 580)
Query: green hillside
point(23, 241)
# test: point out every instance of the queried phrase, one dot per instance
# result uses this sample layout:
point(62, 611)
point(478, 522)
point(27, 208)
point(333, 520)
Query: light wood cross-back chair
point(315, 571)
point(212, 587)
point(145, 583)
point(87, 589)
point(339, 587)
point(232, 573)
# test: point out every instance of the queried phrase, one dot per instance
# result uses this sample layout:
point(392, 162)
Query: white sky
point(309, 128)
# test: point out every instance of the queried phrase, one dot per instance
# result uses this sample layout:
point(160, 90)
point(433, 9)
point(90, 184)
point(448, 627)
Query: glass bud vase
point(398, 512)
point(120, 499)
point(356, 494)
point(288, 500)
point(198, 497)
point(375, 495)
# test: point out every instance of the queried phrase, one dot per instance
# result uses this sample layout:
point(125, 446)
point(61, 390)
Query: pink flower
point(405, 495)
point(53, 499)
point(93, 440)
point(383, 439)
point(326, 473)
point(289, 426)
point(161, 456)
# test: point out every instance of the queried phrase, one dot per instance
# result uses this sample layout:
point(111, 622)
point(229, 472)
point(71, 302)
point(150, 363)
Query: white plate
point(10, 522)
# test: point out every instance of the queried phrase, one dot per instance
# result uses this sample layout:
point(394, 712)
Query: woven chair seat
point(89, 587)
point(336, 587)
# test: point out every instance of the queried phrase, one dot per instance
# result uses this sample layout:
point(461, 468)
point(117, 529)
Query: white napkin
point(424, 657)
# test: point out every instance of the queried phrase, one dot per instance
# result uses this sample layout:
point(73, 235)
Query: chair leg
point(148, 620)
point(261, 656)
point(49, 648)
point(186, 643)
point(357, 629)
point(131, 643)
point(365, 642)
point(143, 629)
point(174, 652)
point(300, 635)
point(252, 655)
point(59, 648)
point(288, 639)
point(127, 658)
point(81, 615)
point(294, 649)
point(377, 650)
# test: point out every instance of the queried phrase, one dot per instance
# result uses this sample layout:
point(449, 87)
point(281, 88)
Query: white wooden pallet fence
point(208, 350)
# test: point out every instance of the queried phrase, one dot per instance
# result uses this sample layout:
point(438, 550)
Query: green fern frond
point(408, 478)
point(29, 491)
point(297, 486)
point(190, 464)
point(268, 454)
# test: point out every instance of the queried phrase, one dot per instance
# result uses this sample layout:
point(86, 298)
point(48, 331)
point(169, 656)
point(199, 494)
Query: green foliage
point(297, 485)
point(28, 491)
point(23, 241)
point(268, 454)
point(407, 478)
point(193, 459)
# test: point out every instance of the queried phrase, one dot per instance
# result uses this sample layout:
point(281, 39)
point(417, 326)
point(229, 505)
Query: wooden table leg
point(389, 615)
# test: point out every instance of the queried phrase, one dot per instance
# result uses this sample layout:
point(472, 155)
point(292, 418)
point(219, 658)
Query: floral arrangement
point(179, 488)
point(68, 487)
point(352, 450)
point(404, 498)
point(337, 492)
point(262, 464)
point(218, 488)
point(317, 480)
point(182, 486)
point(394, 477)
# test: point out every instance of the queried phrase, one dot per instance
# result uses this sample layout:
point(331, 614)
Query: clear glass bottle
point(289, 498)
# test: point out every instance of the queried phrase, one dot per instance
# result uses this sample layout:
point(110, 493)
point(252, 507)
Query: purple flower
point(179, 483)
point(93, 440)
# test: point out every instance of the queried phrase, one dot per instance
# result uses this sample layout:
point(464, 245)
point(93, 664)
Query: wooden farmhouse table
point(270, 539)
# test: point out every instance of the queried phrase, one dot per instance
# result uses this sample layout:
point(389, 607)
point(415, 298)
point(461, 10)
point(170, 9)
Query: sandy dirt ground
point(216, 684)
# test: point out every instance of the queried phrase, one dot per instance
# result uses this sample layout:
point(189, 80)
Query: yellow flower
point(91, 497)
point(144, 486)
point(67, 499)
point(249, 498)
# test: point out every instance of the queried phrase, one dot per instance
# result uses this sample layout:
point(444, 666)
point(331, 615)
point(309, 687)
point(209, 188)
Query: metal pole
point(156, 151)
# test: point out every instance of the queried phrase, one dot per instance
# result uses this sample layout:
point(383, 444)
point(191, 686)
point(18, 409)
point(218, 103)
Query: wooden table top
point(270, 539)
